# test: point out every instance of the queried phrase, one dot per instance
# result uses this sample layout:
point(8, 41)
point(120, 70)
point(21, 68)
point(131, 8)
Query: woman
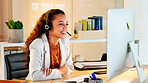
point(48, 52)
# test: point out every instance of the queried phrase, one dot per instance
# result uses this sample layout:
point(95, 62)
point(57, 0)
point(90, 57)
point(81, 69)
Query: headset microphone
point(68, 33)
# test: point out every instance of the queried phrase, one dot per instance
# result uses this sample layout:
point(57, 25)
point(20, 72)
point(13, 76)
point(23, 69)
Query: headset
point(48, 26)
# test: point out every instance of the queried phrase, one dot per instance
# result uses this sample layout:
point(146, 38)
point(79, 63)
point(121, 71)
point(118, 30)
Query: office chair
point(15, 64)
point(104, 57)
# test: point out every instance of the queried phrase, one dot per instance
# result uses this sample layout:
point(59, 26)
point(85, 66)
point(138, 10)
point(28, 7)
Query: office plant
point(15, 31)
point(14, 25)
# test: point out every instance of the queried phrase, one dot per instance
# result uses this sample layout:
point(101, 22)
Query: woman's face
point(59, 26)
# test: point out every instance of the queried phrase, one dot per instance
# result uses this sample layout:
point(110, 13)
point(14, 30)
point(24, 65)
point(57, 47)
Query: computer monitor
point(120, 41)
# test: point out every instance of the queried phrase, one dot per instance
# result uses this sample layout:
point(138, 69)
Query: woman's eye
point(67, 24)
point(60, 24)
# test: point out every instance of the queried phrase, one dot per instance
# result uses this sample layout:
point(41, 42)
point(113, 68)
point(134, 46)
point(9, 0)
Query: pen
point(94, 77)
point(90, 77)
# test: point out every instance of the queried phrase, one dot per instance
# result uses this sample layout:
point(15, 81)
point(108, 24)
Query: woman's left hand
point(63, 70)
point(46, 71)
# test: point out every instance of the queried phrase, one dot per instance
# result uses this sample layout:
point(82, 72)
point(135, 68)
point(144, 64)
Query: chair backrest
point(104, 57)
point(15, 64)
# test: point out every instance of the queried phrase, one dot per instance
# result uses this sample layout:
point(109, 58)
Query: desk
point(3, 74)
point(6, 44)
point(129, 76)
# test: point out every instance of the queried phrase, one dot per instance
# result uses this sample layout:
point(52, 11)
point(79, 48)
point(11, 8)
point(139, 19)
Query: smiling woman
point(48, 52)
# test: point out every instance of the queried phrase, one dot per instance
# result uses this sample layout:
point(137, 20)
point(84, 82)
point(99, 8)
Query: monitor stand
point(137, 62)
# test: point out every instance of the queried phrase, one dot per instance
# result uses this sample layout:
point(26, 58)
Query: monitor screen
point(120, 32)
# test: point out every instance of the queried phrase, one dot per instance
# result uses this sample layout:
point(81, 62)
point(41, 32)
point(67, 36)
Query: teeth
point(63, 32)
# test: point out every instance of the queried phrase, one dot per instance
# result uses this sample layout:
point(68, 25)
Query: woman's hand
point(63, 70)
point(46, 71)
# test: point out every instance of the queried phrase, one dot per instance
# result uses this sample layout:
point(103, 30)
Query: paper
point(77, 79)
point(92, 63)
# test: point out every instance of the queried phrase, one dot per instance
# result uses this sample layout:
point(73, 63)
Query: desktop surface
point(129, 76)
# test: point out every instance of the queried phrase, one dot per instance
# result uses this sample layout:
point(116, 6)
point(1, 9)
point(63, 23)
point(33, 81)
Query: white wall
point(5, 15)
point(23, 10)
point(19, 12)
point(141, 25)
point(82, 9)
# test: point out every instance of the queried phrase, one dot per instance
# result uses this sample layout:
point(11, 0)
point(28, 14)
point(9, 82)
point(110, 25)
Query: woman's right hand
point(63, 70)
point(46, 71)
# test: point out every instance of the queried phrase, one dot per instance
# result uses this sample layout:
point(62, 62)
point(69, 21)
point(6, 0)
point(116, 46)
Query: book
point(78, 27)
point(84, 22)
point(89, 24)
point(98, 22)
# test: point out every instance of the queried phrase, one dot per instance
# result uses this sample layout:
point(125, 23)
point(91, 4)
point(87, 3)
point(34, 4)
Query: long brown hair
point(39, 29)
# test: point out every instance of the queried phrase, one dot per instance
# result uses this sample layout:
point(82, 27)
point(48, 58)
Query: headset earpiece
point(48, 26)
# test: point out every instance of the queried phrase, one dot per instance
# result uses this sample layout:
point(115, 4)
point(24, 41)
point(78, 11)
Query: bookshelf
point(88, 41)
point(91, 47)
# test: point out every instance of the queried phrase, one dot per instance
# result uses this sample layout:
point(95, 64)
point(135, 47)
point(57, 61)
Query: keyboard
point(77, 79)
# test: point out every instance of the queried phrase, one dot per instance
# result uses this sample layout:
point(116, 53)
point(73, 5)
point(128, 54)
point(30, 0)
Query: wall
point(5, 14)
point(141, 25)
point(82, 9)
point(29, 11)
point(19, 12)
